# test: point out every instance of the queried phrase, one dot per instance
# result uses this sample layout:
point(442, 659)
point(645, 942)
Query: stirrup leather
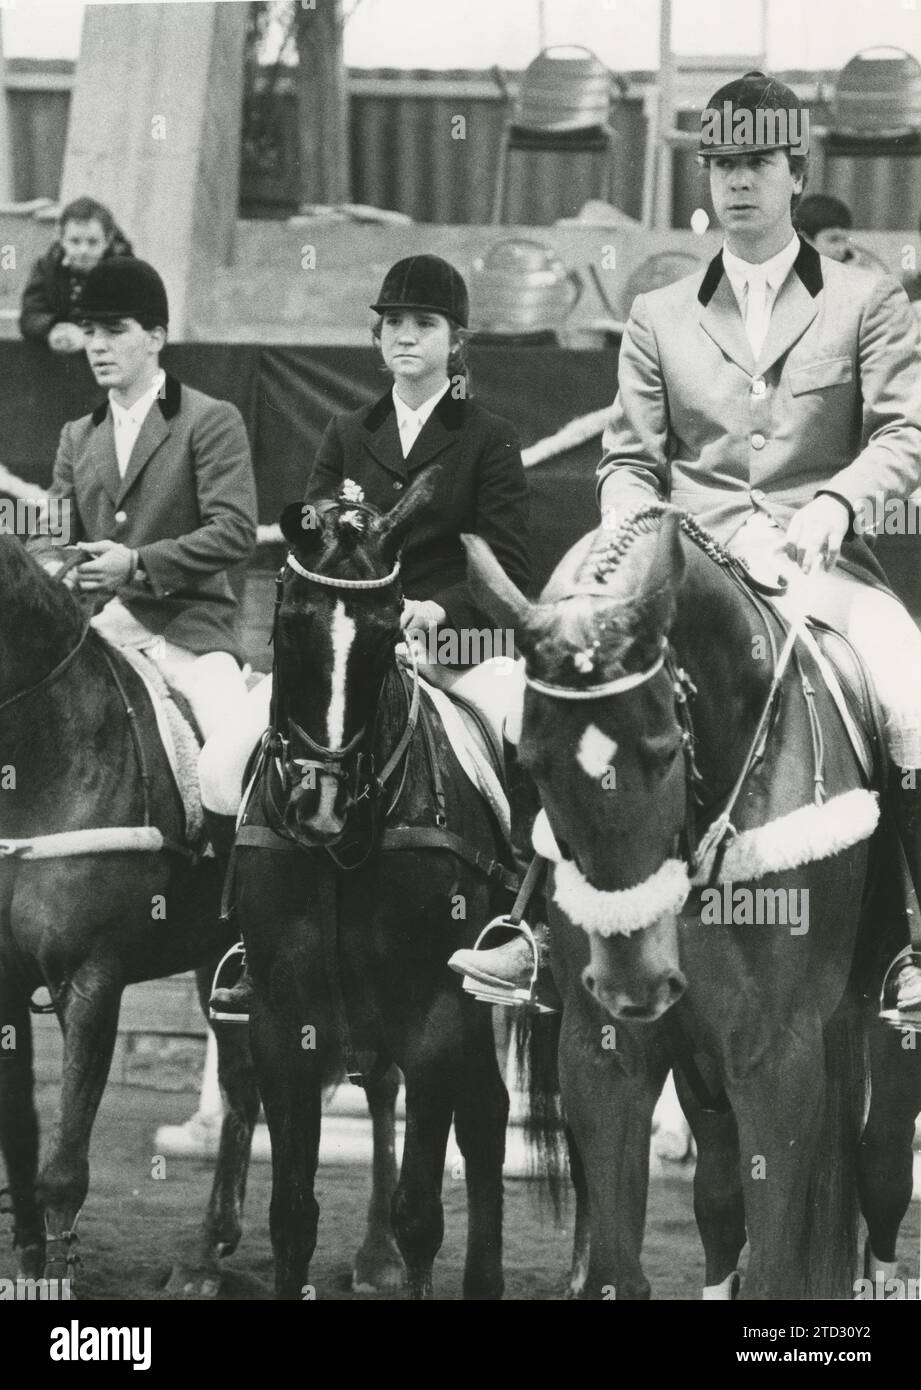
point(509, 996)
point(218, 1015)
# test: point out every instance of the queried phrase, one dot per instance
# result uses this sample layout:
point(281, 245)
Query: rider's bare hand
point(816, 533)
point(112, 566)
point(422, 613)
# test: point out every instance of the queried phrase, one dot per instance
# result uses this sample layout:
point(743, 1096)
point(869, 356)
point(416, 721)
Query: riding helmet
point(729, 124)
point(123, 287)
point(425, 282)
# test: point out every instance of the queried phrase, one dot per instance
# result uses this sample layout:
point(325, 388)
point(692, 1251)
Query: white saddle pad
point(475, 762)
point(179, 739)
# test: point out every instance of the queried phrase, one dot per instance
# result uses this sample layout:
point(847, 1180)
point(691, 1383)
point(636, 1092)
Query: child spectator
point(51, 299)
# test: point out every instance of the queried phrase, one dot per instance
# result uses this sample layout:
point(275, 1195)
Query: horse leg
point(480, 1120)
point(610, 1113)
point(581, 1241)
point(418, 1216)
point(197, 1270)
point(884, 1156)
point(718, 1202)
point(19, 1128)
point(778, 1107)
point(89, 1020)
point(378, 1264)
point(290, 1081)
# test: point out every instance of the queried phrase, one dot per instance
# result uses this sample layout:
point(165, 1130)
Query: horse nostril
point(588, 980)
point(676, 986)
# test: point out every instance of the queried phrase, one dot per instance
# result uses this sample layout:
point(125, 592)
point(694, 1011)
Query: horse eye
point(660, 752)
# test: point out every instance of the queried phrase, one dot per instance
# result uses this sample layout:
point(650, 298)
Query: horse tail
point(833, 1209)
point(537, 1038)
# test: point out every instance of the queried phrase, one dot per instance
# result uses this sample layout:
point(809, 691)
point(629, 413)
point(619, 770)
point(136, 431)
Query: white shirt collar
point(138, 412)
point(773, 271)
point(405, 413)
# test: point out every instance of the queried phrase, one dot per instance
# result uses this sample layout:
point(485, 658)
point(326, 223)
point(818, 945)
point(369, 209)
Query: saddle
point(860, 697)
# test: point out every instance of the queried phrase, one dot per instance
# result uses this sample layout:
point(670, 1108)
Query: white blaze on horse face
point(595, 752)
point(343, 635)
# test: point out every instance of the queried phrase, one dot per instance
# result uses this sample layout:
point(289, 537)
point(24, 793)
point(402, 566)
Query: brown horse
point(638, 625)
point(79, 750)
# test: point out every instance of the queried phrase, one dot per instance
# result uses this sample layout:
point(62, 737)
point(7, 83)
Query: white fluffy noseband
point(802, 837)
point(625, 910)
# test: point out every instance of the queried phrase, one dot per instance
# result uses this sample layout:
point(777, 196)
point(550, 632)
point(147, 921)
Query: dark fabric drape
point(287, 395)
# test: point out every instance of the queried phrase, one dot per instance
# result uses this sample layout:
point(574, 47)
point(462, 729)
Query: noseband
point(350, 764)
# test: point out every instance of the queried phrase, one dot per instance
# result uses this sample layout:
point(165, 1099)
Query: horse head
point(602, 740)
point(337, 622)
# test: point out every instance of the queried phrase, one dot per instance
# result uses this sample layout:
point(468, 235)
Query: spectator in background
point(51, 299)
point(826, 224)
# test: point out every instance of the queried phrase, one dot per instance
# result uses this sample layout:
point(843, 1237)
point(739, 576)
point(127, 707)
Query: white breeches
point(213, 684)
point(878, 626)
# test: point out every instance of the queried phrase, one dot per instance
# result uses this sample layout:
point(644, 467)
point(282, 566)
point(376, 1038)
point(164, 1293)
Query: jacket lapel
point(440, 430)
point(101, 459)
point(382, 438)
point(795, 307)
point(720, 317)
point(155, 429)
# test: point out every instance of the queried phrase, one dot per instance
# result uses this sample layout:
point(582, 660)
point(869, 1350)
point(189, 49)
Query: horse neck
point(714, 637)
point(39, 620)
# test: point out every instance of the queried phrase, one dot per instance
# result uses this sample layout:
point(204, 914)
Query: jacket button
point(758, 386)
point(758, 441)
point(121, 518)
point(398, 487)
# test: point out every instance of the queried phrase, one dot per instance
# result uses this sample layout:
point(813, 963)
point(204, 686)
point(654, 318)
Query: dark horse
point(391, 864)
point(79, 749)
point(648, 715)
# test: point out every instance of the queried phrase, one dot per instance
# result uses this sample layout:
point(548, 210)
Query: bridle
point(297, 758)
point(720, 831)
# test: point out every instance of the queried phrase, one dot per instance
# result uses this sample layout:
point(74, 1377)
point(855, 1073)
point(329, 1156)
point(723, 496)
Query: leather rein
point(720, 832)
point(286, 759)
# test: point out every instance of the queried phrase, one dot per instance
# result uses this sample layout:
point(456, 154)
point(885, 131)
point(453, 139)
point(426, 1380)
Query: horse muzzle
point(636, 978)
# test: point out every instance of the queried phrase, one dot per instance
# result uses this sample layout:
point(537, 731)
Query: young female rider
point(426, 418)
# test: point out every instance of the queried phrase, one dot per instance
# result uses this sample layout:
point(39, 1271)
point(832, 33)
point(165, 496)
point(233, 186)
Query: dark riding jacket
point(481, 489)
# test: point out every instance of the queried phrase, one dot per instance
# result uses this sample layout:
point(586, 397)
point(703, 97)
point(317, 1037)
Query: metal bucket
point(521, 287)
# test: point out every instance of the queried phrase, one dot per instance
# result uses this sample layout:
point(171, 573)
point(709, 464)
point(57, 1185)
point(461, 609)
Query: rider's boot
point(230, 1004)
point(507, 969)
point(906, 802)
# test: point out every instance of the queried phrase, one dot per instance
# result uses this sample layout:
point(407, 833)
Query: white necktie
point(757, 314)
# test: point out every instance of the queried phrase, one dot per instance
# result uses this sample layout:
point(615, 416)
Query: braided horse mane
point(612, 544)
point(603, 629)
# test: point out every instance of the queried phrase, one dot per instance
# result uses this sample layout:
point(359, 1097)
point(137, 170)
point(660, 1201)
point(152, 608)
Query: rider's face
point(123, 355)
point(415, 345)
point(751, 195)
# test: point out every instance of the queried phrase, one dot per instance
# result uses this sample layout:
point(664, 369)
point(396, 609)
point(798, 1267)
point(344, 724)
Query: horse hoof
point(379, 1269)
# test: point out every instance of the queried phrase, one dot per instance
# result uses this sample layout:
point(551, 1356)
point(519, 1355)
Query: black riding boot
point(509, 966)
point(230, 1004)
point(906, 803)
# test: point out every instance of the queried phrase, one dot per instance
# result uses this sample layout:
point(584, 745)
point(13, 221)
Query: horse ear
point(392, 527)
point(301, 524)
point(498, 595)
